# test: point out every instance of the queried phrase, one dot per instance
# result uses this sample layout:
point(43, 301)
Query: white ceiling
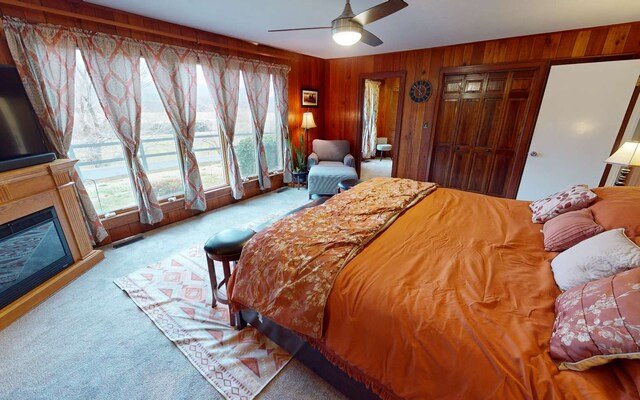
point(425, 23)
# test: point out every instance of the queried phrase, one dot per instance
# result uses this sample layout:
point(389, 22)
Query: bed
point(454, 299)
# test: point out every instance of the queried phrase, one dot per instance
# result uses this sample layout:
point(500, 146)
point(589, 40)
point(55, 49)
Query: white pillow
point(598, 257)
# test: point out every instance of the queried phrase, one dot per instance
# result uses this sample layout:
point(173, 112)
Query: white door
point(581, 112)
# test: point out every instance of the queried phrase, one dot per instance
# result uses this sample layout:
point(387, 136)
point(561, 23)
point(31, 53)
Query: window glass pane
point(101, 166)
point(243, 140)
point(207, 144)
point(158, 147)
point(272, 140)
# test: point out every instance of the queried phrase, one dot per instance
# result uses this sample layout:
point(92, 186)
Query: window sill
point(215, 198)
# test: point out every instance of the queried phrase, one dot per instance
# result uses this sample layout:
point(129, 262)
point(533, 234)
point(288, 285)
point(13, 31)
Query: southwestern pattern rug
point(176, 295)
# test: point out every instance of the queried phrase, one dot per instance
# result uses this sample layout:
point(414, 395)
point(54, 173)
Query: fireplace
point(32, 250)
point(44, 240)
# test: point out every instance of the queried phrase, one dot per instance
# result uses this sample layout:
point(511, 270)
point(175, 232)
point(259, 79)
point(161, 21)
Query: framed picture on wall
point(309, 98)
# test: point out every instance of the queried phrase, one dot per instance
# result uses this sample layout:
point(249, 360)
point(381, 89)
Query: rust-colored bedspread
point(455, 300)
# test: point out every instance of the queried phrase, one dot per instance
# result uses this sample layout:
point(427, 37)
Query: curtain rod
point(71, 14)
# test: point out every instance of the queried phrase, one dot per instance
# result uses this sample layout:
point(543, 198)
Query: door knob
point(534, 154)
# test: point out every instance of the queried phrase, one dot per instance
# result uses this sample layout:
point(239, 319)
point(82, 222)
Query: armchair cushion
point(331, 150)
point(349, 161)
point(312, 160)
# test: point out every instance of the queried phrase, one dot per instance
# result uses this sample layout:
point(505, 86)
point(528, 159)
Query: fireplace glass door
point(32, 250)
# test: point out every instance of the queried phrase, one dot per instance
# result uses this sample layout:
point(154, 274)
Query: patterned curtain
point(256, 80)
point(113, 64)
point(370, 118)
point(223, 80)
point(281, 89)
point(174, 73)
point(46, 61)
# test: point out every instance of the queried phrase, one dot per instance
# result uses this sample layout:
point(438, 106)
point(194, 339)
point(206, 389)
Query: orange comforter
point(455, 300)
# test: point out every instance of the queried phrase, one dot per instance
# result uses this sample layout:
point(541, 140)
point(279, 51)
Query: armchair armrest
point(349, 161)
point(312, 160)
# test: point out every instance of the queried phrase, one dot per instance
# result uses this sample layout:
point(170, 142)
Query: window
point(207, 144)
point(102, 166)
point(244, 141)
point(272, 139)
point(158, 143)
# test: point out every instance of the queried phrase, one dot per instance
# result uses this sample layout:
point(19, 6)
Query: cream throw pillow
point(598, 257)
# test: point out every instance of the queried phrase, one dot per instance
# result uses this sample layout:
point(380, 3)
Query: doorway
point(578, 126)
point(381, 102)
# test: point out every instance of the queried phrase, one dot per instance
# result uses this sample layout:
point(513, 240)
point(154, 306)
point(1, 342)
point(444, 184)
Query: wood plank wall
point(306, 72)
point(343, 75)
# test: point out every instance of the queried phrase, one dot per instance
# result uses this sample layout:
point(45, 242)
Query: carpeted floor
point(90, 341)
point(375, 167)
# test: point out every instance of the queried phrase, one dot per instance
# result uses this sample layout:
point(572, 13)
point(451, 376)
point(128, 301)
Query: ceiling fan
point(347, 29)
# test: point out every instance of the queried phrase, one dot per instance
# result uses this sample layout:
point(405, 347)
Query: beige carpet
point(90, 341)
point(374, 167)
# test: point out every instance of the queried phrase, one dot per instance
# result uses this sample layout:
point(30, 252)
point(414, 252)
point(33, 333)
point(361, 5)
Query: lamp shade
point(627, 154)
point(307, 121)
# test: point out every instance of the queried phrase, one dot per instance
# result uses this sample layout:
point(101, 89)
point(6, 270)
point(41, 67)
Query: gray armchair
point(329, 164)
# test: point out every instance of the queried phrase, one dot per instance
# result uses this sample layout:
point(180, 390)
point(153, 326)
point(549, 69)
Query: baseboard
point(40, 293)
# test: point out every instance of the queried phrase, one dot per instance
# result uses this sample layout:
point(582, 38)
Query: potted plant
point(300, 163)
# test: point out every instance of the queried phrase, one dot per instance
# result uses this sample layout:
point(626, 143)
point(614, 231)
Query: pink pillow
point(572, 198)
point(598, 322)
point(569, 229)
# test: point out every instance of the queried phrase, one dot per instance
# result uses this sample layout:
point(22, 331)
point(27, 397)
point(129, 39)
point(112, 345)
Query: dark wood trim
point(622, 130)
point(250, 49)
point(311, 357)
point(402, 74)
point(581, 60)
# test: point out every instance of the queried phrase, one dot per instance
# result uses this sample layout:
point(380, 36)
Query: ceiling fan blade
point(380, 11)
point(299, 29)
point(370, 39)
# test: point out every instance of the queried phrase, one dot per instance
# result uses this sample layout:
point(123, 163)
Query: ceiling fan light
point(347, 38)
point(346, 32)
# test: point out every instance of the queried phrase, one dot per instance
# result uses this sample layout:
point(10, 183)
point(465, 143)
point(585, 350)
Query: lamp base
point(622, 176)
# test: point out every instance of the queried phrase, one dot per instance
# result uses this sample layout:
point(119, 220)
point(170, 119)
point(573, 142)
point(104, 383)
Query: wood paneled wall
point(343, 75)
point(306, 72)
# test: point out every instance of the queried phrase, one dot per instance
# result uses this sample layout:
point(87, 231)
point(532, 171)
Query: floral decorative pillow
point(605, 254)
point(572, 198)
point(598, 322)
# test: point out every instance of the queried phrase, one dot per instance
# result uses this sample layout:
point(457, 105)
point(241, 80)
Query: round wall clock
point(420, 91)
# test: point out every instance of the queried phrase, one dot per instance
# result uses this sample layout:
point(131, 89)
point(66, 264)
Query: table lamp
point(628, 155)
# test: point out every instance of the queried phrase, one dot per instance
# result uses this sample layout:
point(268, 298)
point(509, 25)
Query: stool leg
point(214, 282)
point(227, 274)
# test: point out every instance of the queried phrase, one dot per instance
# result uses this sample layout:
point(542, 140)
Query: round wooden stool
point(226, 247)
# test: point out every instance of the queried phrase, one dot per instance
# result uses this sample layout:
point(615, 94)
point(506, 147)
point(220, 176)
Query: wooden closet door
point(480, 128)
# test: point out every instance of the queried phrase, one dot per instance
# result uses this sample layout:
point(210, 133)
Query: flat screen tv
point(22, 142)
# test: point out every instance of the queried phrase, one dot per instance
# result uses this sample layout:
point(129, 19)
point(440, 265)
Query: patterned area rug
point(176, 294)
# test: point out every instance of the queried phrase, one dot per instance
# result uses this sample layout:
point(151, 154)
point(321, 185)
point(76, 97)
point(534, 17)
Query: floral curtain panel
point(370, 113)
point(256, 80)
point(46, 61)
point(173, 70)
point(113, 64)
point(223, 80)
point(281, 89)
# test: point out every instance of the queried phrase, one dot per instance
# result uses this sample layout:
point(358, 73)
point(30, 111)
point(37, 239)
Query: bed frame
point(308, 355)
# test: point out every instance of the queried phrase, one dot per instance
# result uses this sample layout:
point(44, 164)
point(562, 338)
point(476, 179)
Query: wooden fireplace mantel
point(27, 190)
